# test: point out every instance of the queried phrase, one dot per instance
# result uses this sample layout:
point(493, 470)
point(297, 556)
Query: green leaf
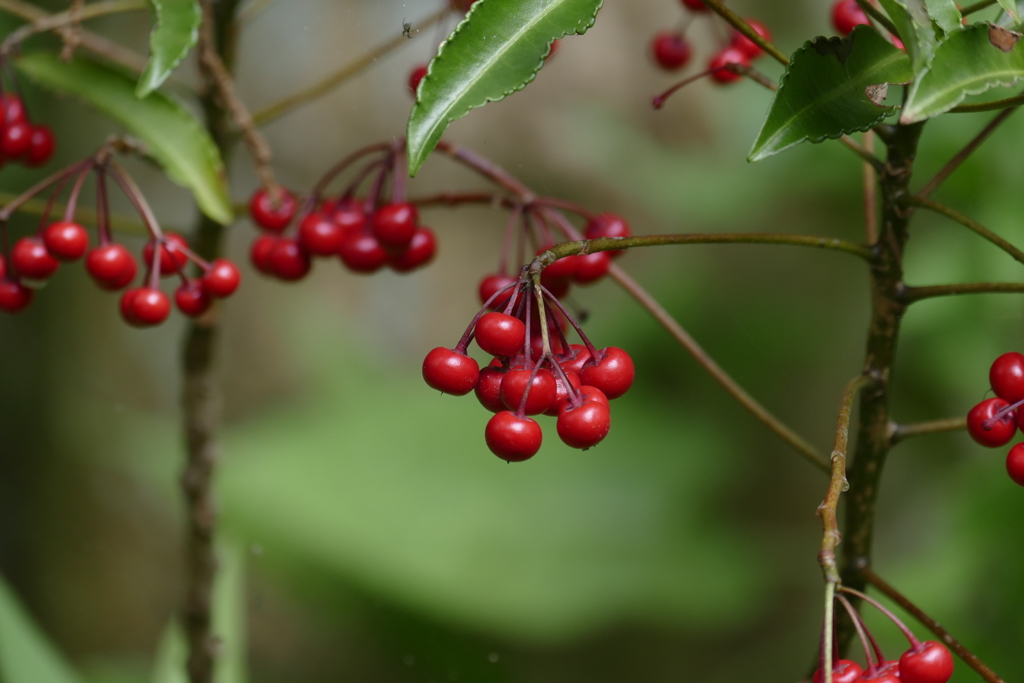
point(916, 29)
point(1011, 8)
point(174, 34)
point(174, 138)
point(946, 14)
point(822, 94)
point(497, 50)
point(966, 63)
point(26, 655)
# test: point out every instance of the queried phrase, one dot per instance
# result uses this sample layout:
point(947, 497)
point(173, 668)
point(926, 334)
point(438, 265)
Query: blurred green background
point(384, 542)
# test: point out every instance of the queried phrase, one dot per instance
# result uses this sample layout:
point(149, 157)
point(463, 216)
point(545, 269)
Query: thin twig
point(992, 105)
point(83, 214)
point(863, 153)
point(952, 643)
point(618, 243)
point(73, 36)
point(971, 9)
point(870, 178)
point(962, 155)
point(69, 19)
point(950, 424)
point(325, 85)
point(967, 223)
point(743, 27)
point(912, 294)
point(877, 15)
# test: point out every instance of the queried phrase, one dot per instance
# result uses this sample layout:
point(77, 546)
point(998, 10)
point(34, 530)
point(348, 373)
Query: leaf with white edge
point(1011, 8)
point(824, 92)
point(946, 14)
point(175, 33)
point(174, 138)
point(497, 50)
point(968, 62)
point(916, 29)
point(26, 654)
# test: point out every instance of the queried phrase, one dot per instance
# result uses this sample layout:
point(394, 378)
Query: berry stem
point(44, 216)
point(506, 240)
point(377, 188)
point(863, 633)
point(914, 642)
point(14, 204)
point(659, 100)
point(747, 30)
point(353, 187)
point(1000, 414)
point(572, 321)
point(398, 163)
point(131, 190)
point(543, 317)
point(336, 170)
point(467, 336)
point(565, 205)
point(102, 207)
point(76, 190)
point(883, 20)
point(488, 169)
point(528, 346)
point(828, 644)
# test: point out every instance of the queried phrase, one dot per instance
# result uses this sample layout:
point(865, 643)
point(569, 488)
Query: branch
point(837, 482)
point(70, 18)
point(913, 294)
point(955, 645)
point(971, 9)
point(863, 153)
point(324, 86)
point(962, 155)
point(992, 105)
point(743, 27)
point(870, 180)
point(950, 424)
point(877, 15)
point(967, 223)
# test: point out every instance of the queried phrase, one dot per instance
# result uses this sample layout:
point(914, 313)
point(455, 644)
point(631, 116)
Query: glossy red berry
point(1015, 464)
point(513, 438)
point(450, 372)
point(289, 261)
point(542, 391)
point(320, 235)
point(719, 62)
point(846, 16)
point(488, 389)
point(362, 253)
point(349, 217)
point(145, 306)
point(929, 662)
point(592, 267)
point(562, 269)
point(886, 672)
point(843, 671)
point(997, 434)
point(13, 109)
point(415, 76)
point(671, 51)
point(746, 45)
point(562, 392)
point(260, 252)
point(419, 253)
point(112, 266)
point(172, 258)
point(491, 285)
point(1007, 376)
point(574, 358)
point(608, 225)
point(222, 279)
point(66, 240)
point(695, 5)
point(584, 426)
point(500, 335)
point(3, 267)
point(192, 298)
point(394, 226)
point(41, 146)
point(270, 213)
point(30, 259)
point(15, 139)
point(14, 296)
point(613, 372)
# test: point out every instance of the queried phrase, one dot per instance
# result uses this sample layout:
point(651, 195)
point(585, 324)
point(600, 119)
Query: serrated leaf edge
point(144, 88)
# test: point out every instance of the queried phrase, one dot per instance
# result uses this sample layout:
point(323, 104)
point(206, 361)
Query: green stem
point(966, 222)
point(877, 15)
point(743, 27)
point(992, 105)
point(912, 294)
point(971, 9)
point(950, 424)
point(962, 155)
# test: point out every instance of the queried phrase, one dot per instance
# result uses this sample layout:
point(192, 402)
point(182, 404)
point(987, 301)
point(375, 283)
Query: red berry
point(1007, 376)
point(41, 145)
point(719, 61)
point(746, 45)
point(271, 214)
point(394, 226)
point(145, 306)
point(847, 15)
point(221, 279)
point(591, 394)
point(613, 373)
point(929, 662)
point(15, 139)
point(112, 266)
point(14, 296)
point(695, 5)
point(562, 269)
point(260, 252)
point(575, 358)
point(362, 253)
point(172, 258)
point(513, 438)
point(843, 671)
point(289, 261)
point(419, 253)
point(320, 235)
point(461, 5)
point(192, 298)
point(608, 225)
point(491, 285)
point(450, 372)
point(349, 217)
point(542, 391)
point(500, 335)
point(488, 389)
point(66, 240)
point(13, 109)
point(416, 76)
point(671, 50)
point(1015, 464)
point(3, 267)
point(553, 48)
point(886, 672)
point(592, 267)
point(561, 392)
point(999, 433)
point(30, 259)
point(584, 426)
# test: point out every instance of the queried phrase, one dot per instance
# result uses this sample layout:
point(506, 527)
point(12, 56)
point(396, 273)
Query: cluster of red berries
point(923, 662)
point(995, 421)
point(672, 51)
point(573, 382)
point(20, 139)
